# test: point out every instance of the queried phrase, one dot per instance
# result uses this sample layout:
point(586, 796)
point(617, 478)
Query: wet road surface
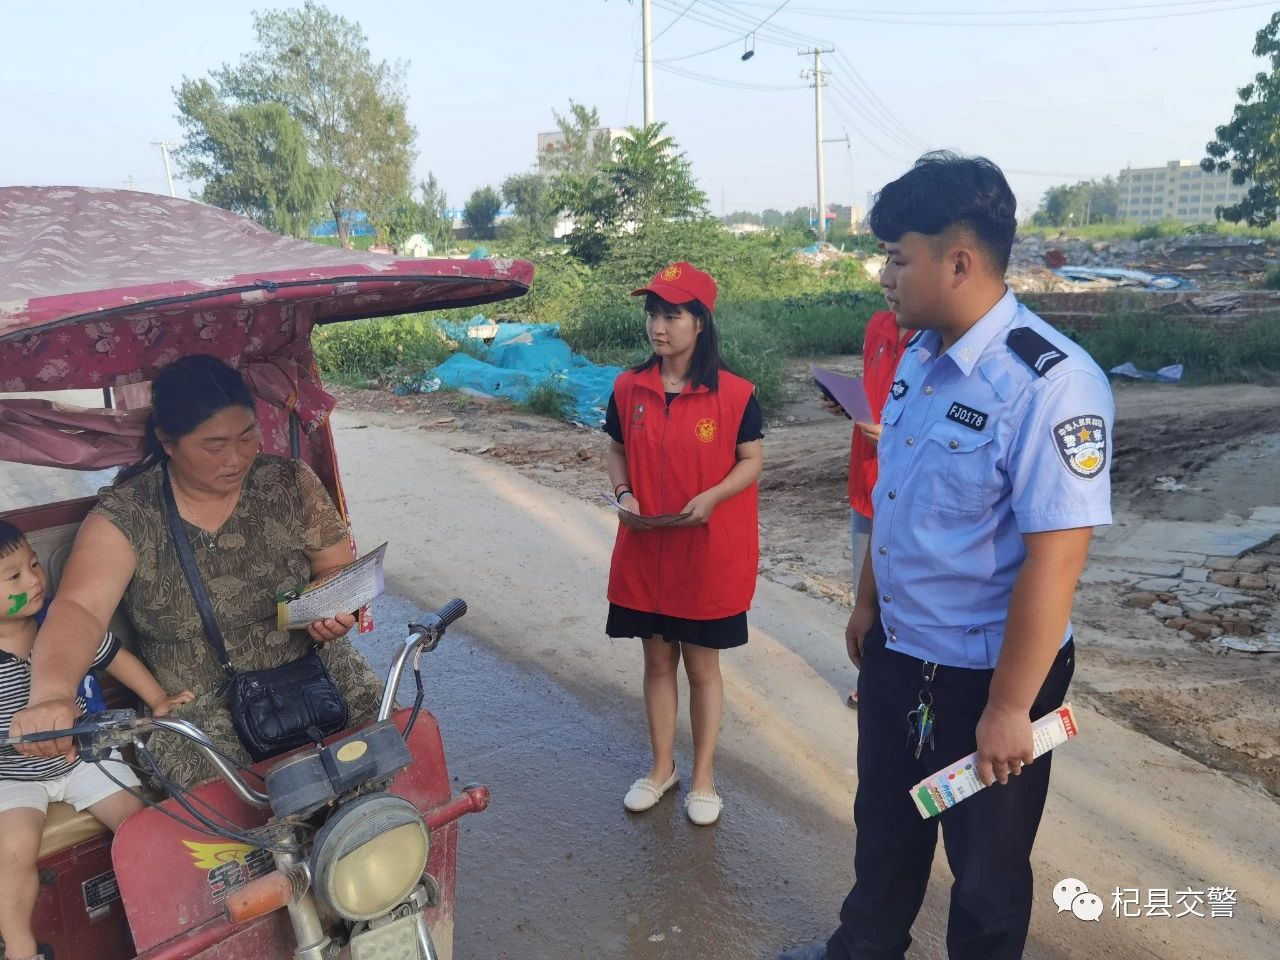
point(557, 868)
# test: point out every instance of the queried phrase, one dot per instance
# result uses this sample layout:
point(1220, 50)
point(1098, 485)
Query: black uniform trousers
point(988, 837)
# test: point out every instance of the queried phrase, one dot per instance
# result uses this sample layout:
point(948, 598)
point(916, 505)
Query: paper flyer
point(345, 591)
point(661, 520)
point(958, 781)
point(849, 392)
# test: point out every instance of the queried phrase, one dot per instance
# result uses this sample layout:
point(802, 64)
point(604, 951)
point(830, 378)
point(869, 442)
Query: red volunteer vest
point(882, 348)
point(673, 454)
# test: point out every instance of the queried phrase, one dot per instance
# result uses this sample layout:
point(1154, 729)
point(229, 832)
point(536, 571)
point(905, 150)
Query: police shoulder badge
point(705, 430)
point(899, 388)
point(1082, 444)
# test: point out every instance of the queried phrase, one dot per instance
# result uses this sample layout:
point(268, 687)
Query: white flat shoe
point(645, 794)
point(703, 808)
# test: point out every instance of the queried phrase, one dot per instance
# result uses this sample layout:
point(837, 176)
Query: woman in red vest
point(687, 439)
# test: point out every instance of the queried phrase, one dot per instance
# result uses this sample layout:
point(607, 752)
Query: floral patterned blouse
point(261, 551)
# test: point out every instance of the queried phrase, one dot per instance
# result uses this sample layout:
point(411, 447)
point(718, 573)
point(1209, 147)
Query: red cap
point(680, 283)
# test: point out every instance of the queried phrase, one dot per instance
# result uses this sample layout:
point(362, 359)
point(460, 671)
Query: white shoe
point(703, 808)
point(645, 794)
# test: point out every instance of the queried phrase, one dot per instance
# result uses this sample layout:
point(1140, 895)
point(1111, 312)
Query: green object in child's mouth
point(19, 601)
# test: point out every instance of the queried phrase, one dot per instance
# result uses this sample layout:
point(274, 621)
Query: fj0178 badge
point(1082, 444)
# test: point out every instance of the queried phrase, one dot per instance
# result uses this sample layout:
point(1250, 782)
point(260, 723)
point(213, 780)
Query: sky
point(87, 87)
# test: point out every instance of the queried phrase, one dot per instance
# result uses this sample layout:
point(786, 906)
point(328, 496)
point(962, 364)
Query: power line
point(717, 81)
point(1109, 8)
point(1049, 18)
point(673, 22)
point(700, 53)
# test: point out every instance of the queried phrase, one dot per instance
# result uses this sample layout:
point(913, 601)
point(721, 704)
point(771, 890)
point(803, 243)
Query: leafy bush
point(385, 349)
point(1239, 353)
point(1272, 279)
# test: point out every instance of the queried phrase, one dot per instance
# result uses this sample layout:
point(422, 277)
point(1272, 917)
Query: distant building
point(1177, 191)
point(550, 143)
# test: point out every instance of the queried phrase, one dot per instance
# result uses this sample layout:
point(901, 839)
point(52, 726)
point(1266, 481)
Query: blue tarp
point(523, 356)
point(1133, 278)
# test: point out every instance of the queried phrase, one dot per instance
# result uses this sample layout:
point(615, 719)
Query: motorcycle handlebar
point(107, 729)
point(454, 610)
point(424, 635)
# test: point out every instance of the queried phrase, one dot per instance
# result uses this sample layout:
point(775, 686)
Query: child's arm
point(130, 671)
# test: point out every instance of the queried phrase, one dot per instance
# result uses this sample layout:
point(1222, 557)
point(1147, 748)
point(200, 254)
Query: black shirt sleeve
point(612, 422)
point(752, 425)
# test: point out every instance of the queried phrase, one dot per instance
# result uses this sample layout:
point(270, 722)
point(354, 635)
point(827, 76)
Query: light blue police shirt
point(1005, 434)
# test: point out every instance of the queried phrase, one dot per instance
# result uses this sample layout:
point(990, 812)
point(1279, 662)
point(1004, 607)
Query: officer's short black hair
point(944, 190)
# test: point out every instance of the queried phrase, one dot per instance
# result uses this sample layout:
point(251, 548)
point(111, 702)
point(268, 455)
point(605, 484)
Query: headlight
point(370, 856)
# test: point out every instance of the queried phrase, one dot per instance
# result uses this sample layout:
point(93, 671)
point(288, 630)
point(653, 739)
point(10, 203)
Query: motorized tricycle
point(344, 849)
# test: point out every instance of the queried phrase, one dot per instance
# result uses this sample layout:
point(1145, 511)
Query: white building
point(1177, 191)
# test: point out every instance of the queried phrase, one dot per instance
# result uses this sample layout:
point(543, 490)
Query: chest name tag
point(968, 417)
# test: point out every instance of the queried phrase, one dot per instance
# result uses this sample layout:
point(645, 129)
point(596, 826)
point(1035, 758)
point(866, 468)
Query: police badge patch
point(899, 389)
point(1082, 444)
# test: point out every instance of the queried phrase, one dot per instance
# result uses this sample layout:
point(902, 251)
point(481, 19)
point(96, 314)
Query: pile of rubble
point(1207, 261)
point(1217, 582)
point(1235, 597)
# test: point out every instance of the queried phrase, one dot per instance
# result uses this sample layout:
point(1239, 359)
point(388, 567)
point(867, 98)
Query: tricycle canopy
point(100, 288)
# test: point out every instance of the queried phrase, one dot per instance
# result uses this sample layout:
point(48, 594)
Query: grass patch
point(1162, 229)
point(383, 349)
point(548, 400)
point(1227, 354)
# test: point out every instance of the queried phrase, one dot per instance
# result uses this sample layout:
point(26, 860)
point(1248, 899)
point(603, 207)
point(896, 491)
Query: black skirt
point(717, 634)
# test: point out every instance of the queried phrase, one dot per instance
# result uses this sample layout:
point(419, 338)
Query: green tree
point(251, 158)
point(646, 181)
point(426, 216)
point(1249, 146)
point(1084, 202)
point(530, 194)
point(351, 109)
point(481, 211)
point(585, 146)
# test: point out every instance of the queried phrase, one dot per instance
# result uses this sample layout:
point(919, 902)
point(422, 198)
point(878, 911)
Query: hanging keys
point(920, 725)
point(920, 721)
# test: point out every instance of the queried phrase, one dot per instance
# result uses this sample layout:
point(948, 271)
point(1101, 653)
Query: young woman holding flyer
point(687, 440)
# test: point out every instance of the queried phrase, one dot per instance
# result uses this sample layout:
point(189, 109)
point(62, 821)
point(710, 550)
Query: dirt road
point(557, 868)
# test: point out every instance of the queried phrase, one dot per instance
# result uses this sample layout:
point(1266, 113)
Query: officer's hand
point(860, 623)
point(1004, 743)
point(57, 714)
point(630, 510)
point(869, 430)
point(831, 406)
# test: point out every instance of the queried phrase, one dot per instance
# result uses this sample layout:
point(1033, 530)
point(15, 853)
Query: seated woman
point(258, 525)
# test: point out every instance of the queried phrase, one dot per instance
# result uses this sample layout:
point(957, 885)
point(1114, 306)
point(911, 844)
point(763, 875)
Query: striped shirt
point(15, 691)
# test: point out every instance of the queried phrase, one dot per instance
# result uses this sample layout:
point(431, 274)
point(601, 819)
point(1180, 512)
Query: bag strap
point(182, 544)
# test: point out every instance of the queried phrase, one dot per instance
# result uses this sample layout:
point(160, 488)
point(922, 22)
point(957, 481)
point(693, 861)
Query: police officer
point(994, 463)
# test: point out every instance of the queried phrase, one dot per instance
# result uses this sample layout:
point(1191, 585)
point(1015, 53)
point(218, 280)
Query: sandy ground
point(1222, 443)
point(531, 554)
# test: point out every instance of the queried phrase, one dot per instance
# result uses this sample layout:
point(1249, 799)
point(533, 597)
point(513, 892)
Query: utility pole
point(165, 146)
point(646, 16)
point(818, 84)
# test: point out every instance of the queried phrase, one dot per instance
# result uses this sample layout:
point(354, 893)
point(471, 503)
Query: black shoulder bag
point(274, 710)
